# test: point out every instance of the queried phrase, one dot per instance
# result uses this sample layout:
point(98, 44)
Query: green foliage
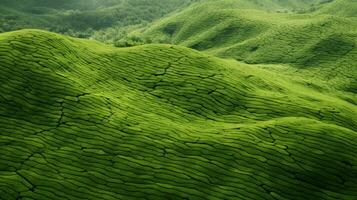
point(83, 120)
point(131, 41)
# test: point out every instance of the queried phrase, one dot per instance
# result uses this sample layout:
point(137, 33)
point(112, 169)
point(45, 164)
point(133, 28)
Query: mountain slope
point(314, 45)
point(82, 120)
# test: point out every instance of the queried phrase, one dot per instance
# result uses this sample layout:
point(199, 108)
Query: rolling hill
point(84, 120)
point(226, 99)
point(318, 43)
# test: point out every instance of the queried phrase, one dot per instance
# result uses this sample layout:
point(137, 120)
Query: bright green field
point(264, 108)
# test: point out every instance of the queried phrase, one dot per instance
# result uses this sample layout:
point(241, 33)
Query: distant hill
point(83, 120)
point(313, 40)
point(82, 18)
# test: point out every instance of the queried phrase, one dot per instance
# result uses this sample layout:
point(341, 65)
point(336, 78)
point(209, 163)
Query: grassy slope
point(316, 45)
point(82, 120)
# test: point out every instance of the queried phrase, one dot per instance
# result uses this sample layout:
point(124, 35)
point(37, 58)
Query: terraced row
point(80, 120)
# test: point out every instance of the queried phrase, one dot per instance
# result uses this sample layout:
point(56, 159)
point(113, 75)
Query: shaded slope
point(82, 120)
point(82, 18)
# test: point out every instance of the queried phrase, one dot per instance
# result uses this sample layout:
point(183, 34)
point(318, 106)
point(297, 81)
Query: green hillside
point(83, 120)
point(191, 99)
point(319, 43)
